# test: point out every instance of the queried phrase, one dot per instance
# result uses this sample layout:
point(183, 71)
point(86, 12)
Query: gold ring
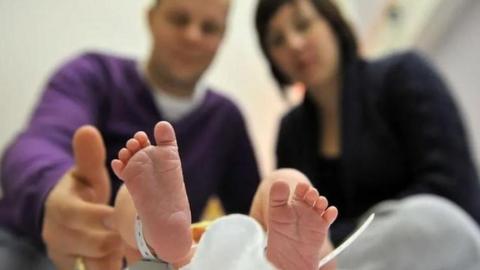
point(79, 264)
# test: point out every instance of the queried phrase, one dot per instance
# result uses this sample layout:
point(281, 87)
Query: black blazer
point(401, 135)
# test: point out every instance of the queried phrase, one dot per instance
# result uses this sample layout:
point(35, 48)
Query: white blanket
point(234, 242)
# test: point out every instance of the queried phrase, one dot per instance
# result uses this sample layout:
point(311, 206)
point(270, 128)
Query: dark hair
point(266, 9)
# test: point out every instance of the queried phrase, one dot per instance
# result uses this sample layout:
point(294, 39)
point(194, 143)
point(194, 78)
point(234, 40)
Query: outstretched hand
point(78, 222)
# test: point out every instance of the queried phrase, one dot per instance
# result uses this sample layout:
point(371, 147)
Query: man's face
point(186, 35)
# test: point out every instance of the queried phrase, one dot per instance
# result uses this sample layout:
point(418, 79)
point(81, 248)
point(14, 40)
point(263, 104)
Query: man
point(57, 200)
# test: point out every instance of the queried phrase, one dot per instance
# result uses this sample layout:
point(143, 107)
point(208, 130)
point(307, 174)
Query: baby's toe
point(133, 145)
point(311, 197)
point(330, 214)
point(279, 194)
point(124, 155)
point(117, 167)
point(142, 138)
point(300, 191)
point(321, 204)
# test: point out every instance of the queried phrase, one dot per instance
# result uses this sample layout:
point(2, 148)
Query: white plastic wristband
point(143, 247)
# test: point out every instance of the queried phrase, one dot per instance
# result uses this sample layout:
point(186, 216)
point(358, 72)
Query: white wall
point(39, 35)
point(36, 36)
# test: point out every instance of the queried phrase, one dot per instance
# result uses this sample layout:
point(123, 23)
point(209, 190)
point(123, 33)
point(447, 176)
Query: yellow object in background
point(198, 229)
point(213, 211)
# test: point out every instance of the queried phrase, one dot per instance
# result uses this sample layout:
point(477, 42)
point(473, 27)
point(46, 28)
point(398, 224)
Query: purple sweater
point(109, 92)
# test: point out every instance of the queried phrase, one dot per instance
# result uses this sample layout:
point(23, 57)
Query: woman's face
point(302, 44)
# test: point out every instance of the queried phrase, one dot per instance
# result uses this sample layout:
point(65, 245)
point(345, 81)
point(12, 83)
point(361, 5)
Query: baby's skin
point(154, 179)
point(297, 225)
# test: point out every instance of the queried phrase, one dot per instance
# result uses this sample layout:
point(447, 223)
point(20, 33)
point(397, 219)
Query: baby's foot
point(153, 176)
point(297, 229)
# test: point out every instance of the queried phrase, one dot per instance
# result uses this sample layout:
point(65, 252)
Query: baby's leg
point(153, 177)
point(296, 219)
point(125, 213)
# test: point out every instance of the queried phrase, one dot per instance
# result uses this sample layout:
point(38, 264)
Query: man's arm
point(49, 199)
point(42, 153)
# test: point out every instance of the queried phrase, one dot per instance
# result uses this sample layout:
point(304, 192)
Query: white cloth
point(420, 232)
point(234, 242)
point(172, 107)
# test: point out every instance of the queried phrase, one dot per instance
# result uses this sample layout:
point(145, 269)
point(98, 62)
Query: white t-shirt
point(173, 107)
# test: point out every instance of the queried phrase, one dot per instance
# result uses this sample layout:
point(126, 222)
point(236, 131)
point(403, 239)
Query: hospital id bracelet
point(143, 247)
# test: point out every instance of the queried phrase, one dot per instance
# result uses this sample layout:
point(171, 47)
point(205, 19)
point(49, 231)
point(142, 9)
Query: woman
point(369, 135)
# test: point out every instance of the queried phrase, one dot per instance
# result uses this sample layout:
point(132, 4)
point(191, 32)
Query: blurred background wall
point(36, 36)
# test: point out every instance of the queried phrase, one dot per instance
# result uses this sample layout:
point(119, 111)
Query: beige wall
point(38, 35)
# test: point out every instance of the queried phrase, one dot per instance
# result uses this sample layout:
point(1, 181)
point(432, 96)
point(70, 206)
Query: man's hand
point(78, 221)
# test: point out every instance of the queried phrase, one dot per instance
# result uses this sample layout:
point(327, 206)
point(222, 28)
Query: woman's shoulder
point(402, 71)
point(409, 79)
point(405, 63)
point(401, 57)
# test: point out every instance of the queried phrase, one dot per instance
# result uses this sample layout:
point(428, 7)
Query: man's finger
point(85, 215)
point(95, 244)
point(99, 244)
point(90, 155)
